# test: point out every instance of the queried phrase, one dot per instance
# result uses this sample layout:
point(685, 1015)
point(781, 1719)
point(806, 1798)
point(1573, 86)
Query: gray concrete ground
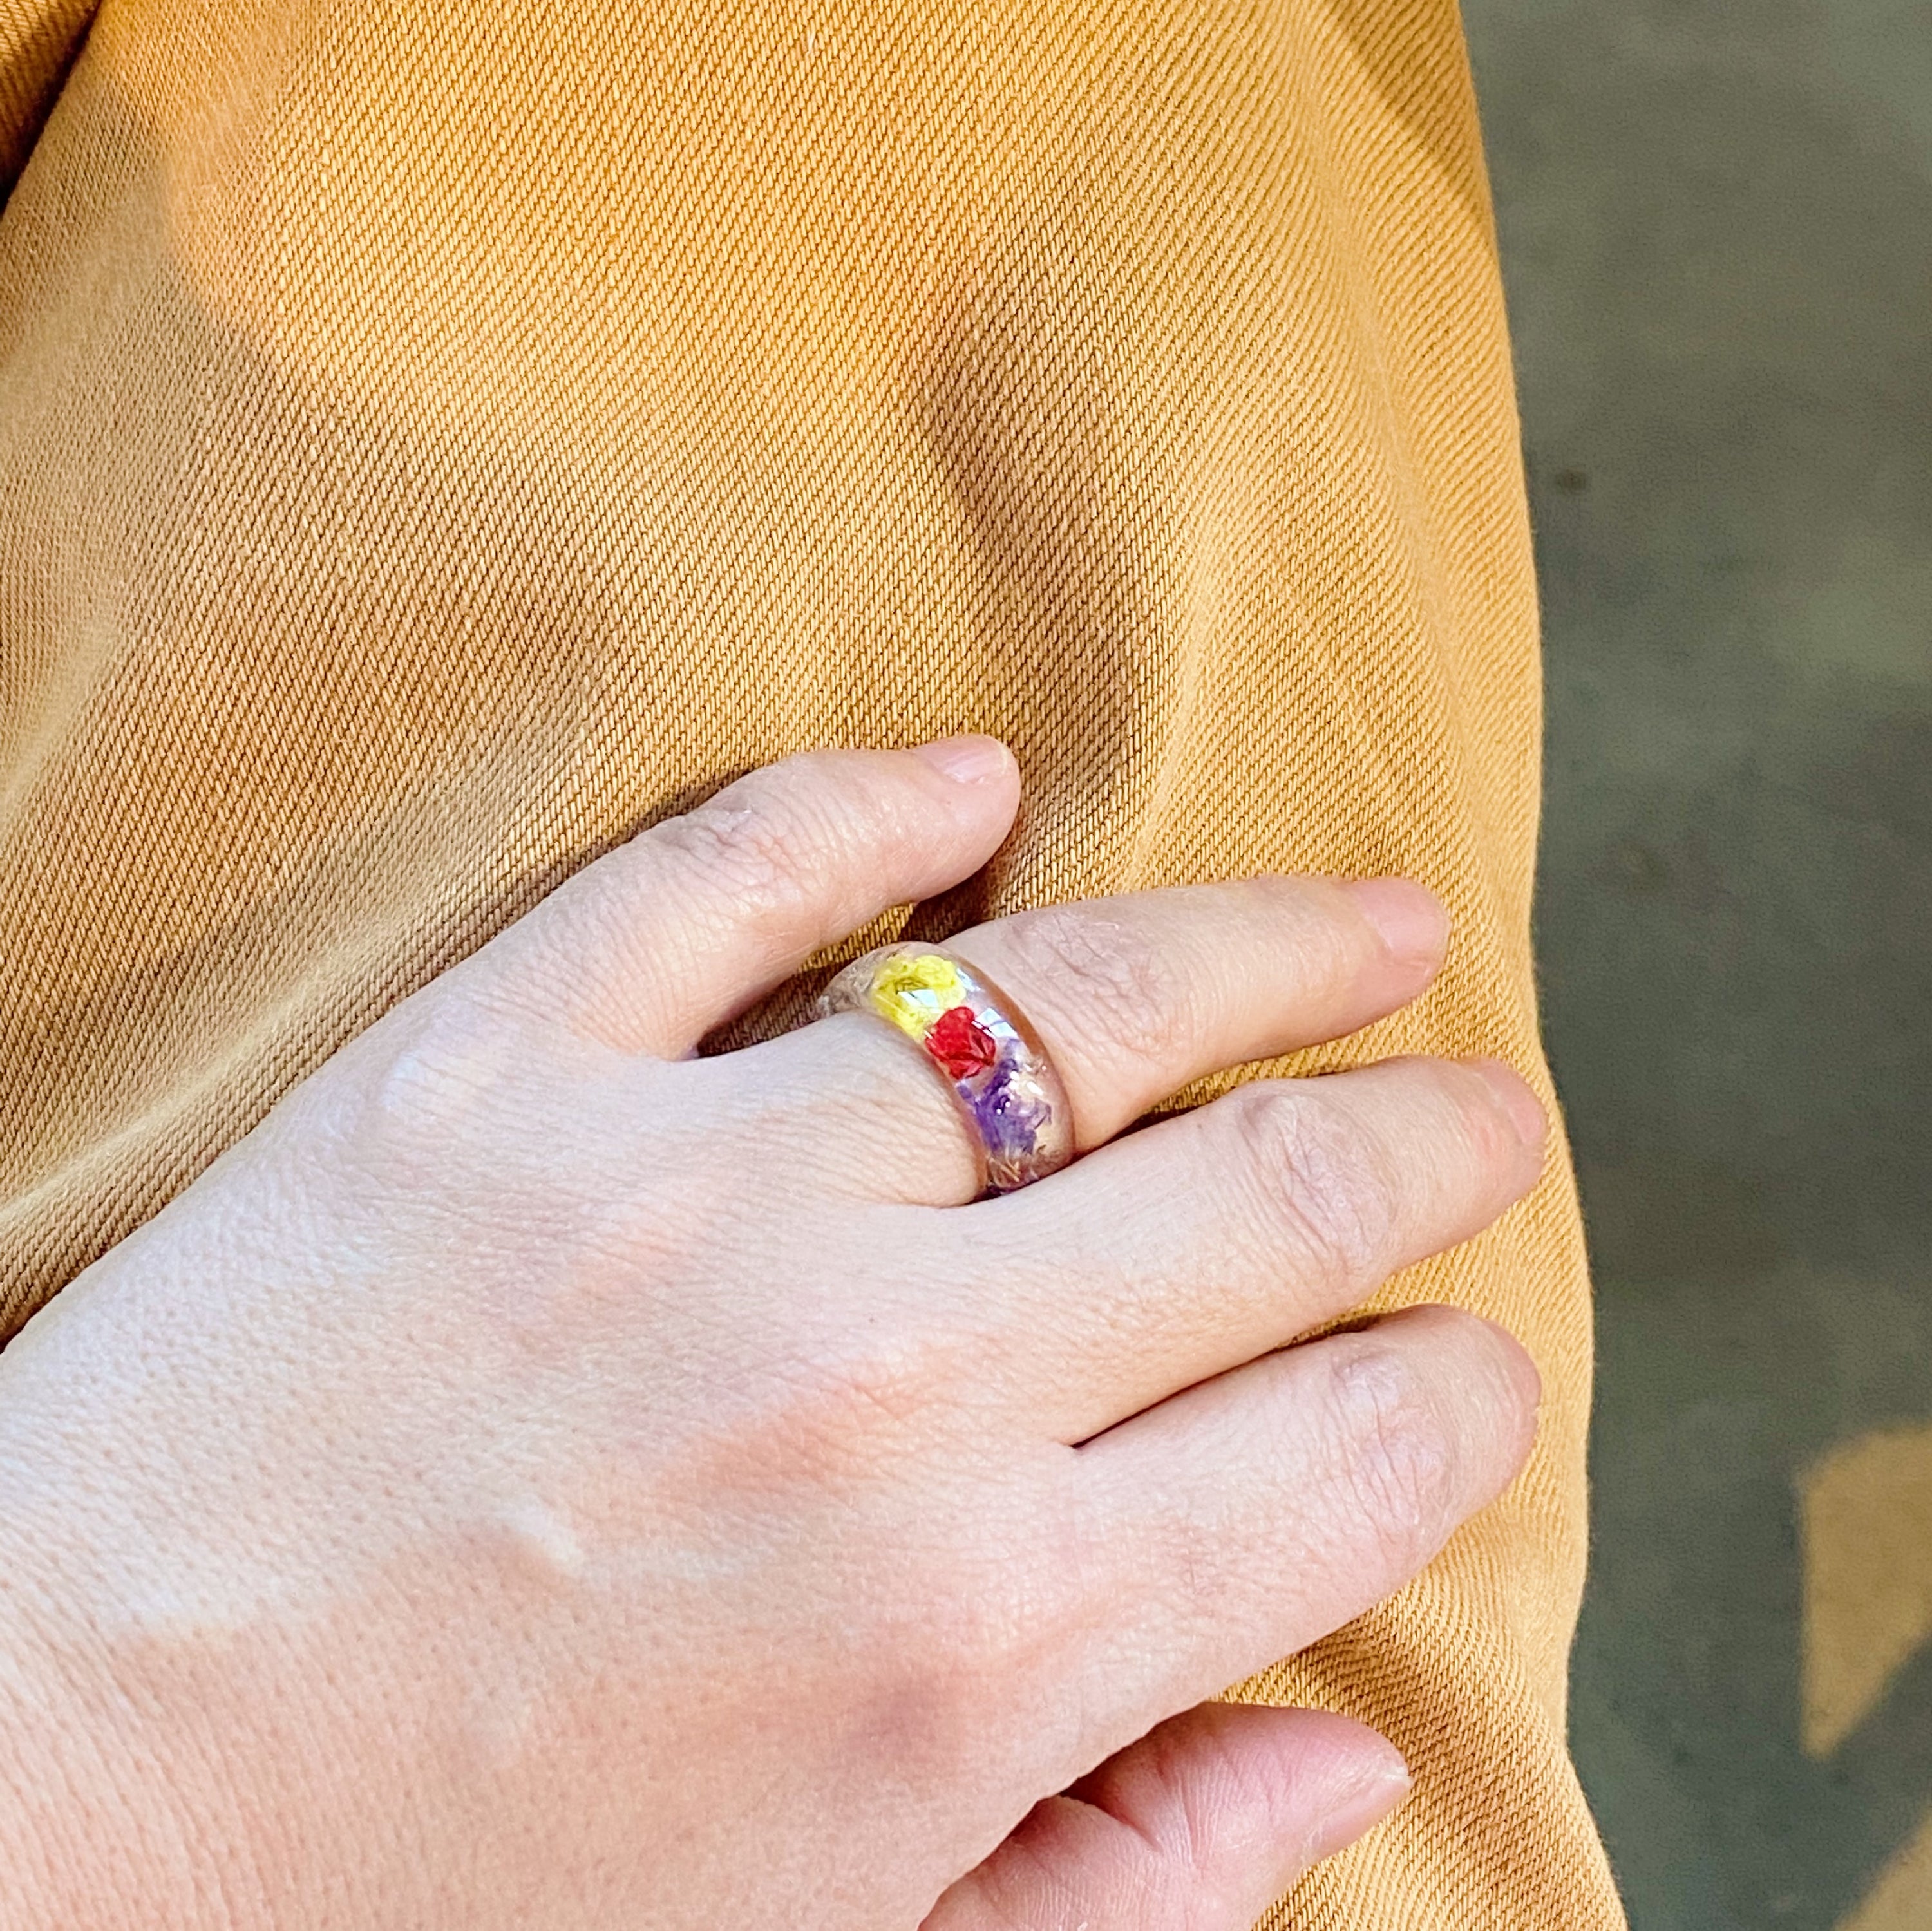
point(1717, 226)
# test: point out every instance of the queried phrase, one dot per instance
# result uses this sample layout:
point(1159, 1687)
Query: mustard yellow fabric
point(438, 439)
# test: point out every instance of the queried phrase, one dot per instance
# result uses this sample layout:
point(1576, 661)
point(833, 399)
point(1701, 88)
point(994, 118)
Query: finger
point(1183, 1250)
point(1198, 1826)
point(1132, 996)
point(651, 946)
point(1240, 1521)
point(1135, 996)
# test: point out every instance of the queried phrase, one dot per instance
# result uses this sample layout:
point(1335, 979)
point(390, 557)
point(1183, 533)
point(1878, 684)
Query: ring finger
point(1133, 997)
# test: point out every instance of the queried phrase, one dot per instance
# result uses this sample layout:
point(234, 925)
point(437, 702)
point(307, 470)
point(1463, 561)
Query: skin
point(541, 1478)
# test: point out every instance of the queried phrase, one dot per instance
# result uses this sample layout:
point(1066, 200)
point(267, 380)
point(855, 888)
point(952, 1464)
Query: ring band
point(1000, 1074)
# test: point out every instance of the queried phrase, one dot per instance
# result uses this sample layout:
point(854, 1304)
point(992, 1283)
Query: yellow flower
point(914, 989)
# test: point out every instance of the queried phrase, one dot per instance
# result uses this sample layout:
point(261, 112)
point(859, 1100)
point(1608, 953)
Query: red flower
point(960, 1043)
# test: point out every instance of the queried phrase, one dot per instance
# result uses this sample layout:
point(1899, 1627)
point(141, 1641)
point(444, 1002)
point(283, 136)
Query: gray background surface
point(1717, 227)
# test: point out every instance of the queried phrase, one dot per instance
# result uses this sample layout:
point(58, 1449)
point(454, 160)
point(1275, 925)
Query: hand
point(541, 1478)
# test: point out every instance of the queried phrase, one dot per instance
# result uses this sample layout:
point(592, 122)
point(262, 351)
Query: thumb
point(652, 945)
point(1198, 1826)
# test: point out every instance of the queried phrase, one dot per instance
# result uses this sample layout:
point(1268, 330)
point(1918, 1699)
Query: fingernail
point(1356, 1811)
point(1411, 921)
point(1524, 1109)
point(966, 760)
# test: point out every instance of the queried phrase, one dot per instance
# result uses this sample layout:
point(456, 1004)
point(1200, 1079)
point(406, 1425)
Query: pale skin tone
point(541, 1478)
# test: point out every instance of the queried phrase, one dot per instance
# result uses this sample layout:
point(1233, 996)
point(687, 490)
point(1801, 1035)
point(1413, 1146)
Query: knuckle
point(844, 1414)
point(1111, 985)
point(752, 853)
point(445, 1063)
point(1322, 1181)
point(398, 1121)
point(944, 1686)
point(986, 1624)
point(1401, 1461)
point(876, 1394)
point(1000, 1616)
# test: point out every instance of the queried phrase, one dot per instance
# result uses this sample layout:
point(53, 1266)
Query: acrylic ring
point(1000, 1073)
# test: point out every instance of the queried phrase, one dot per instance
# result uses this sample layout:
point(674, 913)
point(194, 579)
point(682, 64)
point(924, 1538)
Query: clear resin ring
point(999, 1072)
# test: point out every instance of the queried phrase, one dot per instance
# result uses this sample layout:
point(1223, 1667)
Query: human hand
point(541, 1478)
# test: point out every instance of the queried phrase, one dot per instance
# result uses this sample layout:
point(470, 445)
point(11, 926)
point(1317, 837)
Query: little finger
point(1254, 1513)
point(1199, 1826)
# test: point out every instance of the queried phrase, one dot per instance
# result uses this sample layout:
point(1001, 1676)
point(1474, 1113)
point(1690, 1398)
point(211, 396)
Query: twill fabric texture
point(438, 441)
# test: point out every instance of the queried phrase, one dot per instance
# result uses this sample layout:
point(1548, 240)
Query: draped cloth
point(438, 440)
